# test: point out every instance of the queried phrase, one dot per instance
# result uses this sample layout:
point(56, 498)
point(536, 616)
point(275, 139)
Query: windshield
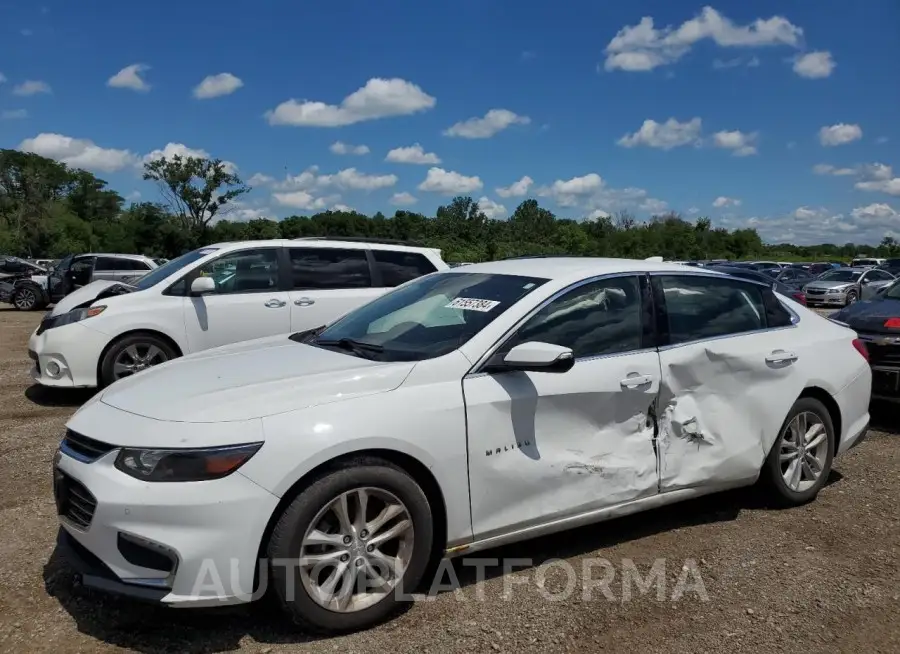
point(428, 317)
point(840, 276)
point(155, 276)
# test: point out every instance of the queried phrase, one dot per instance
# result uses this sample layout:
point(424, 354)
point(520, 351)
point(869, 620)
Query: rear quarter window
point(397, 268)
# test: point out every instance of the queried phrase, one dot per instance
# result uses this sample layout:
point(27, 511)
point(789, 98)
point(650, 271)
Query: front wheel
point(132, 354)
point(800, 460)
point(27, 298)
point(852, 297)
point(349, 549)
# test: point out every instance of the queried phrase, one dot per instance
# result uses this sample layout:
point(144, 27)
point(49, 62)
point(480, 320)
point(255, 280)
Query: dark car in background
point(877, 323)
point(790, 275)
point(892, 266)
point(787, 290)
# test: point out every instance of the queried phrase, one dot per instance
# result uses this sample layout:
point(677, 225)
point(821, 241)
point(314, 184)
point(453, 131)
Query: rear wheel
point(132, 354)
point(800, 460)
point(349, 548)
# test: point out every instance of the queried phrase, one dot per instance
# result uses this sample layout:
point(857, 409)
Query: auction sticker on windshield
point(472, 304)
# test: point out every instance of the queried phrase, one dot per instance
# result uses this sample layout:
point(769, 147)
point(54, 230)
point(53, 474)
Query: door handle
point(275, 304)
point(633, 381)
point(780, 356)
point(304, 301)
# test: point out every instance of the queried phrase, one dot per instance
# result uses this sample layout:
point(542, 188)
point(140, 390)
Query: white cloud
point(214, 86)
point(259, 179)
point(494, 121)
point(653, 206)
point(740, 143)
point(79, 153)
point(880, 213)
point(880, 178)
point(642, 47)
point(737, 62)
point(490, 208)
point(596, 214)
point(828, 169)
point(130, 78)
point(379, 98)
point(413, 154)
point(352, 180)
point(573, 192)
point(13, 114)
point(881, 140)
point(338, 147)
point(239, 211)
point(516, 189)
point(403, 199)
point(304, 200)
point(32, 87)
point(723, 201)
point(589, 193)
point(345, 208)
point(448, 182)
point(667, 135)
point(2, 78)
point(185, 152)
point(693, 210)
point(814, 65)
point(839, 134)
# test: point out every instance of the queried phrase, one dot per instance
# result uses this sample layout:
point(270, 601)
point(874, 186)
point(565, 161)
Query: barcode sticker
point(472, 304)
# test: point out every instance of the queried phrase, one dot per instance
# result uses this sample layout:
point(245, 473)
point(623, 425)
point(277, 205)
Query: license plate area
point(886, 381)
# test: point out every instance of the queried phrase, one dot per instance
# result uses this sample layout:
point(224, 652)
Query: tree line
point(48, 209)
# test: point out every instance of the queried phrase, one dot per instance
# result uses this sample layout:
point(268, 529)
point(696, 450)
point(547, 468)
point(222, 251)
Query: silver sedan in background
point(844, 286)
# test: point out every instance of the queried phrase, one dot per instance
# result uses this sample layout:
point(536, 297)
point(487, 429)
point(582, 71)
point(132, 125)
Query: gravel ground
point(824, 577)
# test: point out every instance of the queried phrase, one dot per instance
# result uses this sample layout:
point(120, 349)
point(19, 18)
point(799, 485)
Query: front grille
point(814, 291)
point(74, 502)
point(83, 448)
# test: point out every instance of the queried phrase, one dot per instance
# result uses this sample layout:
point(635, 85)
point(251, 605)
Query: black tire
point(140, 339)
point(28, 297)
point(287, 536)
point(771, 475)
point(851, 298)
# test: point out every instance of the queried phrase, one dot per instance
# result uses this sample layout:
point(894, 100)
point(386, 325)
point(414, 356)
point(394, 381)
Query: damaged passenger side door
point(729, 377)
point(549, 445)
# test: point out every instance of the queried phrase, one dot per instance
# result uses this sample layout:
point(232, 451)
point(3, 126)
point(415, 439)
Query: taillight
point(892, 323)
point(861, 348)
point(800, 297)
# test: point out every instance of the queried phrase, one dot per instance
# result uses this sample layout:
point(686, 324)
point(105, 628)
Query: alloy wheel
point(356, 550)
point(25, 299)
point(804, 451)
point(137, 357)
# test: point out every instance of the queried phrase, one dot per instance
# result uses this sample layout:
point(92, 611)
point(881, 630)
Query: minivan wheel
point(132, 354)
point(349, 550)
point(800, 460)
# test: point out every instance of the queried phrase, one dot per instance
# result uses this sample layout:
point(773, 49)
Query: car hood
point(870, 316)
point(251, 380)
point(826, 284)
point(87, 294)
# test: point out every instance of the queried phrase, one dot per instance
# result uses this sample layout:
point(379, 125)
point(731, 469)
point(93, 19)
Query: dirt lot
point(825, 577)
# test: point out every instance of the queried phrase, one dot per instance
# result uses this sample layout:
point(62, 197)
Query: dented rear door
point(544, 446)
point(729, 378)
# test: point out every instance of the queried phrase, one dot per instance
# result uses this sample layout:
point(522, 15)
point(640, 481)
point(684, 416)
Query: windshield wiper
point(352, 345)
point(306, 335)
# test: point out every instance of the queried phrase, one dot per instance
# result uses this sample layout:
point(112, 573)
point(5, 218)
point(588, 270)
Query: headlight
point(75, 315)
point(200, 464)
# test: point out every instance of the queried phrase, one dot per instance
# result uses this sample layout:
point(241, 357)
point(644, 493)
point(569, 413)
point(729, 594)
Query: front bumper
point(828, 299)
point(66, 356)
point(207, 534)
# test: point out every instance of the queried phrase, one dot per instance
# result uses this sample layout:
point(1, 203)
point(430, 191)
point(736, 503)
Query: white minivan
point(212, 296)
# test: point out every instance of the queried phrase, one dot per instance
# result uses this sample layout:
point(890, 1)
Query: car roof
point(564, 268)
point(138, 257)
point(317, 242)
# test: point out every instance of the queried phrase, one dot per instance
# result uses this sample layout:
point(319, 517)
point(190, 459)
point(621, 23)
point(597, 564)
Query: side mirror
point(535, 356)
point(202, 285)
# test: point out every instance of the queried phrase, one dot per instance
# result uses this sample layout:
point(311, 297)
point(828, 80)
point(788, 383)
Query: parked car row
point(375, 429)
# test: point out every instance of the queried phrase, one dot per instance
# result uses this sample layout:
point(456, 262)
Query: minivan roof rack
point(362, 239)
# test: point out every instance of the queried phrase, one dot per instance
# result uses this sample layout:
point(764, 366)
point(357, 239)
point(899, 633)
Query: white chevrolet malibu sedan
point(465, 409)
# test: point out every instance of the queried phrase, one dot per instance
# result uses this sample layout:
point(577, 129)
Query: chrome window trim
point(476, 370)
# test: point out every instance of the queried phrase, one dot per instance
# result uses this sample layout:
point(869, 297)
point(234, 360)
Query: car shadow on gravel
point(59, 397)
point(885, 417)
point(152, 628)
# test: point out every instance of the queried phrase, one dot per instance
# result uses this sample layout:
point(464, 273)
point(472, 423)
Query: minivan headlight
point(195, 464)
point(75, 315)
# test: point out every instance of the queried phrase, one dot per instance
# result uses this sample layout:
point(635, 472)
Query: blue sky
point(776, 115)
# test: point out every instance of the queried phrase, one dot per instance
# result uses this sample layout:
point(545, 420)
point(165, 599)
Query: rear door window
point(329, 268)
